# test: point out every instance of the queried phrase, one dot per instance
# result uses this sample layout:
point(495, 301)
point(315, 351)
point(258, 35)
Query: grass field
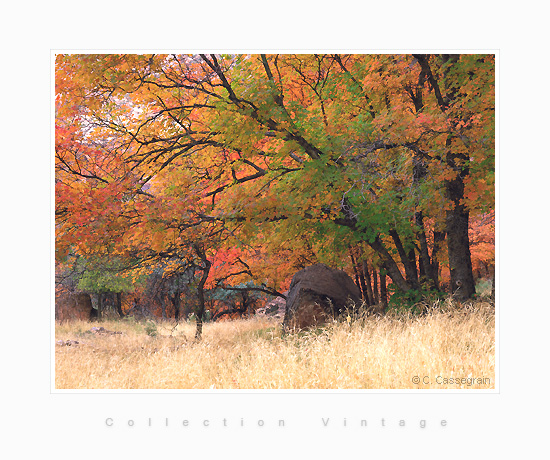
point(449, 348)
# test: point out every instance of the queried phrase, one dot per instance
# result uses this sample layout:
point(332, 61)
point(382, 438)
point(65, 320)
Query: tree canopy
point(248, 167)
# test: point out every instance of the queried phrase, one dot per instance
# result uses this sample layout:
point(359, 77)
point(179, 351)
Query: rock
point(275, 308)
point(67, 343)
point(102, 330)
point(317, 295)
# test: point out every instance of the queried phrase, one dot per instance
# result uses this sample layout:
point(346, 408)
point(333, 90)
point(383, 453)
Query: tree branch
point(425, 66)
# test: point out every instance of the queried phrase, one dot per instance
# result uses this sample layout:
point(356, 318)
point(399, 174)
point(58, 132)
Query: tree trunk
point(457, 219)
point(99, 306)
point(356, 273)
point(439, 237)
point(350, 220)
point(410, 269)
point(411, 256)
point(176, 304)
point(426, 272)
point(200, 289)
point(118, 304)
point(420, 171)
point(248, 305)
point(375, 286)
point(390, 265)
point(460, 262)
point(163, 306)
point(383, 291)
point(457, 159)
point(362, 280)
point(368, 282)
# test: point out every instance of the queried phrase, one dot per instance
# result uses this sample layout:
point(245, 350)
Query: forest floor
point(451, 347)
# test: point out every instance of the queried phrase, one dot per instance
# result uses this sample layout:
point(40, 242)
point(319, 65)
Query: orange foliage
point(482, 244)
point(252, 160)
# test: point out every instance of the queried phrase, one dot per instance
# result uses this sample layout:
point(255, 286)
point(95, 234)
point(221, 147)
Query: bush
point(151, 329)
point(414, 301)
point(484, 287)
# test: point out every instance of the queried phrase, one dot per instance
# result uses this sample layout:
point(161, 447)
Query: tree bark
point(118, 304)
point(206, 264)
point(99, 306)
point(426, 273)
point(163, 306)
point(411, 256)
point(363, 284)
point(356, 273)
point(176, 304)
point(457, 220)
point(458, 244)
point(383, 291)
point(375, 286)
point(199, 312)
point(390, 265)
point(368, 282)
point(362, 280)
point(439, 237)
point(349, 220)
point(410, 269)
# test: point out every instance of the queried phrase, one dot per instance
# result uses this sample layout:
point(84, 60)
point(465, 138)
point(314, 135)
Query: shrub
point(415, 300)
point(151, 329)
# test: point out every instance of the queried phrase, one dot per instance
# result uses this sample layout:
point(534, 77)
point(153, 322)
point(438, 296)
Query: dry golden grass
point(372, 353)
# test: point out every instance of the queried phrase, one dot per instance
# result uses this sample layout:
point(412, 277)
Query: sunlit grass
point(364, 353)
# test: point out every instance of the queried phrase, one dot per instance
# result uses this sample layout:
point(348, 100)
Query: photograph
point(288, 230)
point(282, 221)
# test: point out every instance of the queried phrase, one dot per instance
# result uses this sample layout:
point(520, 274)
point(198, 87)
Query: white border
point(512, 423)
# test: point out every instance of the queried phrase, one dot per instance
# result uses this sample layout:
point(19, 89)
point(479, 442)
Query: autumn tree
point(376, 144)
point(110, 201)
point(291, 159)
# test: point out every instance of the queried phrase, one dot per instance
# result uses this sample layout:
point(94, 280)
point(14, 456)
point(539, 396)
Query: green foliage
point(313, 153)
point(97, 281)
point(484, 287)
point(102, 275)
point(151, 329)
point(414, 300)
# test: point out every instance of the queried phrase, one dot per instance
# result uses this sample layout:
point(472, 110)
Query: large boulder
point(318, 294)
